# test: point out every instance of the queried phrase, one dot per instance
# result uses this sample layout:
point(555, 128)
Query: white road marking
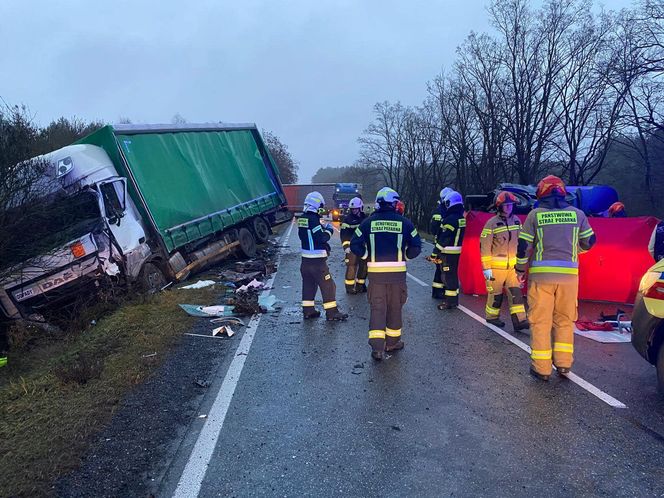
point(194, 472)
point(584, 384)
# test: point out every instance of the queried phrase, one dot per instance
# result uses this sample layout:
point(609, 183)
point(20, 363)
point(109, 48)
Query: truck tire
point(151, 279)
point(247, 242)
point(660, 369)
point(261, 229)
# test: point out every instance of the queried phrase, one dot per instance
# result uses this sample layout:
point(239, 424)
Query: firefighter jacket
point(450, 233)
point(386, 240)
point(437, 219)
point(498, 242)
point(348, 226)
point(551, 239)
point(313, 236)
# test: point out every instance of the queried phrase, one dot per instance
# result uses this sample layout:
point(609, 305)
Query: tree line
point(560, 89)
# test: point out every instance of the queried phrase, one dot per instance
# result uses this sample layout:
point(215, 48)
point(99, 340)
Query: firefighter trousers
point(505, 280)
point(552, 310)
point(450, 268)
point(437, 286)
point(315, 273)
point(387, 295)
point(356, 271)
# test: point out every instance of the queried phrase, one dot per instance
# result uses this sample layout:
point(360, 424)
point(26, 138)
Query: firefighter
point(315, 249)
point(437, 285)
point(356, 267)
point(498, 243)
point(386, 240)
point(550, 241)
point(448, 248)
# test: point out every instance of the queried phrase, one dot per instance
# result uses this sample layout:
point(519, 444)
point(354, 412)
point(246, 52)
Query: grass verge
point(57, 394)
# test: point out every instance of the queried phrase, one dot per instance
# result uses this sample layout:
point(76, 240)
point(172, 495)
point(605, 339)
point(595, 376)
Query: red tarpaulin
point(611, 271)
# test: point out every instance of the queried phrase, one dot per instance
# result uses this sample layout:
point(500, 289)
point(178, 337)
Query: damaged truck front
point(139, 204)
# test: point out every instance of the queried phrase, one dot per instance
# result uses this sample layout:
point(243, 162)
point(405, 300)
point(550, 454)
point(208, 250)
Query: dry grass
point(58, 392)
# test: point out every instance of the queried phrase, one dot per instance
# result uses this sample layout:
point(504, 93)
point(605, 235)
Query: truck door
point(120, 214)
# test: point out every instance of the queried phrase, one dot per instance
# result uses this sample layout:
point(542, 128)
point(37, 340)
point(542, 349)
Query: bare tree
point(287, 166)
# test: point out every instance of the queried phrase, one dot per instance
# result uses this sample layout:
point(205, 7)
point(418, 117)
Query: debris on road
point(200, 284)
point(202, 383)
point(254, 284)
point(239, 278)
point(224, 329)
point(207, 311)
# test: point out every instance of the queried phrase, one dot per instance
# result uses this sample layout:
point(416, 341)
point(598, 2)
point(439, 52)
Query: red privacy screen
point(611, 271)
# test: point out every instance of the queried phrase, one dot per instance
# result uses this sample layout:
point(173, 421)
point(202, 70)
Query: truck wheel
point(247, 242)
point(660, 369)
point(151, 279)
point(261, 229)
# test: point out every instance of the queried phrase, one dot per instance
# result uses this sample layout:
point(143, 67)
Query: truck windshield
point(35, 229)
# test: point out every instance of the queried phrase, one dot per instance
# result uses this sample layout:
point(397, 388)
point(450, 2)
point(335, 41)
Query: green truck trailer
point(167, 201)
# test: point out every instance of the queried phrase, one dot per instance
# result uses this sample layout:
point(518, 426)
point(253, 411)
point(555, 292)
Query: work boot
point(447, 306)
point(495, 321)
point(563, 370)
point(311, 314)
point(377, 355)
point(350, 289)
point(361, 288)
point(522, 325)
point(394, 347)
point(538, 375)
point(334, 315)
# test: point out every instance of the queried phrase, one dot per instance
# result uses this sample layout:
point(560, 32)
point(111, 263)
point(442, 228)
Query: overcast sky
point(309, 70)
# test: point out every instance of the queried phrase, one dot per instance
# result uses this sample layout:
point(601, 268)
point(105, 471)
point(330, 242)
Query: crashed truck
point(151, 204)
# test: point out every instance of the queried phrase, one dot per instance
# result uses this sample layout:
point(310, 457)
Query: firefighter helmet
point(356, 203)
point(550, 185)
point(445, 192)
point(453, 199)
point(386, 195)
point(617, 210)
point(505, 197)
point(313, 201)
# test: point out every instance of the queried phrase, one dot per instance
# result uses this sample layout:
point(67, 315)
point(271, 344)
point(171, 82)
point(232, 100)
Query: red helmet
point(505, 197)
point(549, 185)
point(401, 207)
point(616, 209)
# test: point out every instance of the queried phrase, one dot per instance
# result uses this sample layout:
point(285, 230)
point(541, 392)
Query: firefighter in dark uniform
point(438, 286)
point(356, 267)
point(448, 248)
point(315, 249)
point(386, 240)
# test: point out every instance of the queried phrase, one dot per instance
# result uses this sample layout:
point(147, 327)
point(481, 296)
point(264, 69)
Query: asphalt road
point(302, 410)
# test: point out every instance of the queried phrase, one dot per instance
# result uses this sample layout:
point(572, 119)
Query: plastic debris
point(207, 311)
point(224, 329)
point(228, 320)
point(254, 284)
point(267, 303)
point(200, 284)
point(202, 383)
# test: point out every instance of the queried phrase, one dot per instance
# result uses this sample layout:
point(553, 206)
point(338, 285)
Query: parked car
point(648, 320)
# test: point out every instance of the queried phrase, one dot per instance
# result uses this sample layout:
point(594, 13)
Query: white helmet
point(356, 203)
point(313, 202)
point(387, 195)
point(452, 199)
point(445, 192)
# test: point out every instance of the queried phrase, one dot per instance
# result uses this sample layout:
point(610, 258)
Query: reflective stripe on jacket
point(498, 242)
point(349, 224)
point(550, 243)
point(313, 236)
point(450, 235)
point(386, 240)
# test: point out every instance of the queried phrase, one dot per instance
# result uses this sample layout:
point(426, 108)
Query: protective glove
point(488, 274)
